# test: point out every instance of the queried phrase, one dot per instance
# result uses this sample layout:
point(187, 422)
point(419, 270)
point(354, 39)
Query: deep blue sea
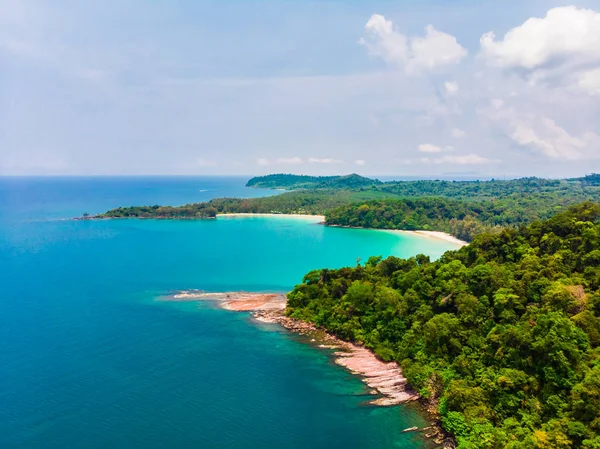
point(89, 358)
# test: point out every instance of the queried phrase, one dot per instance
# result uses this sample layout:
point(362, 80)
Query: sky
point(402, 88)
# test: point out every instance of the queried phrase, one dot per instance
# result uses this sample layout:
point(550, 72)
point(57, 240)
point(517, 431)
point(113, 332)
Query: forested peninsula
point(501, 336)
point(463, 209)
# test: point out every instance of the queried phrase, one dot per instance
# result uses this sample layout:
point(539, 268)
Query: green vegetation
point(301, 202)
point(298, 182)
point(503, 334)
point(584, 188)
point(590, 180)
point(462, 219)
point(463, 209)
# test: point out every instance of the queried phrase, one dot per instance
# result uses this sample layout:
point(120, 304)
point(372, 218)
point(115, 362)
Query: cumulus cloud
point(549, 138)
point(544, 135)
point(360, 162)
point(415, 54)
point(458, 133)
point(451, 87)
point(562, 46)
point(326, 160)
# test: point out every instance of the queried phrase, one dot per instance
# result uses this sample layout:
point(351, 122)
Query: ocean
point(89, 358)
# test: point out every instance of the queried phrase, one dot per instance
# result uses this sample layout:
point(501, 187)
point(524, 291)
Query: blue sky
point(230, 87)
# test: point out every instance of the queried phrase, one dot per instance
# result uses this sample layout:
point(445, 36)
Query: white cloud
point(429, 148)
point(458, 133)
point(565, 32)
point(451, 87)
point(383, 41)
point(327, 160)
point(263, 162)
point(415, 54)
point(289, 160)
point(359, 162)
point(549, 138)
point(544, 135)
point(562, 46)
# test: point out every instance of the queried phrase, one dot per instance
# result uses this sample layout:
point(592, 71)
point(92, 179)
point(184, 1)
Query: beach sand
point(438, 235)
point(432, 235)
point(316, 218)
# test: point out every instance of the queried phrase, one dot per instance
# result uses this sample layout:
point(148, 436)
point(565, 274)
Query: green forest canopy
point(503, 334)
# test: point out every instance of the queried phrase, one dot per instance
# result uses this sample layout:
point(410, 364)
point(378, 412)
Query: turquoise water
point(90, 359)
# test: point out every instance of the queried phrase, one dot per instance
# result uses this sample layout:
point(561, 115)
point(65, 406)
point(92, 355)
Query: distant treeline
point(470, 190)
point(503, 335)
point(298, 182)
point(463, 219)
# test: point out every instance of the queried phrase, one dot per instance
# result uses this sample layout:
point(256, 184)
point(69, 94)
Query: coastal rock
point(383, 378)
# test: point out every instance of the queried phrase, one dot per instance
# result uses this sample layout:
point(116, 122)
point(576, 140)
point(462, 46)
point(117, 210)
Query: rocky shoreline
point(385, 379)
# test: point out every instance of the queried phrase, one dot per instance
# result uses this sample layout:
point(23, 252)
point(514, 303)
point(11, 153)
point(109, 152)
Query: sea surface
point(89, 358)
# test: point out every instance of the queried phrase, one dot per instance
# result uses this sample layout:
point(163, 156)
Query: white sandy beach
point(317, 218)
point(438, 235)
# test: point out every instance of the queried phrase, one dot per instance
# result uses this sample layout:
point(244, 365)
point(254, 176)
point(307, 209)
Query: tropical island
point(499, 338)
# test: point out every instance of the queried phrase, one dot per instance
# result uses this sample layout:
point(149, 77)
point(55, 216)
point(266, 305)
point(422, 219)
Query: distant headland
point(462, 209)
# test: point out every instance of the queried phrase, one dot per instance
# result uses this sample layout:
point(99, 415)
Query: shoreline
point(384, 380)
point(319, 218)
point(436, 235)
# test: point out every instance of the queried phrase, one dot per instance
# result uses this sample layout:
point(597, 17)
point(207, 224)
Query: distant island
point(463, 209)
point(298, 182)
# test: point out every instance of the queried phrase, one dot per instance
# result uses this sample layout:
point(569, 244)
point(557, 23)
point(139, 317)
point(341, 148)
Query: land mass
point(298, 182)
point(463, 209)
point(502, 337)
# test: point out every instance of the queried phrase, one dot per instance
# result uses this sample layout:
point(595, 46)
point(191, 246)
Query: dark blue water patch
point(40, 198)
